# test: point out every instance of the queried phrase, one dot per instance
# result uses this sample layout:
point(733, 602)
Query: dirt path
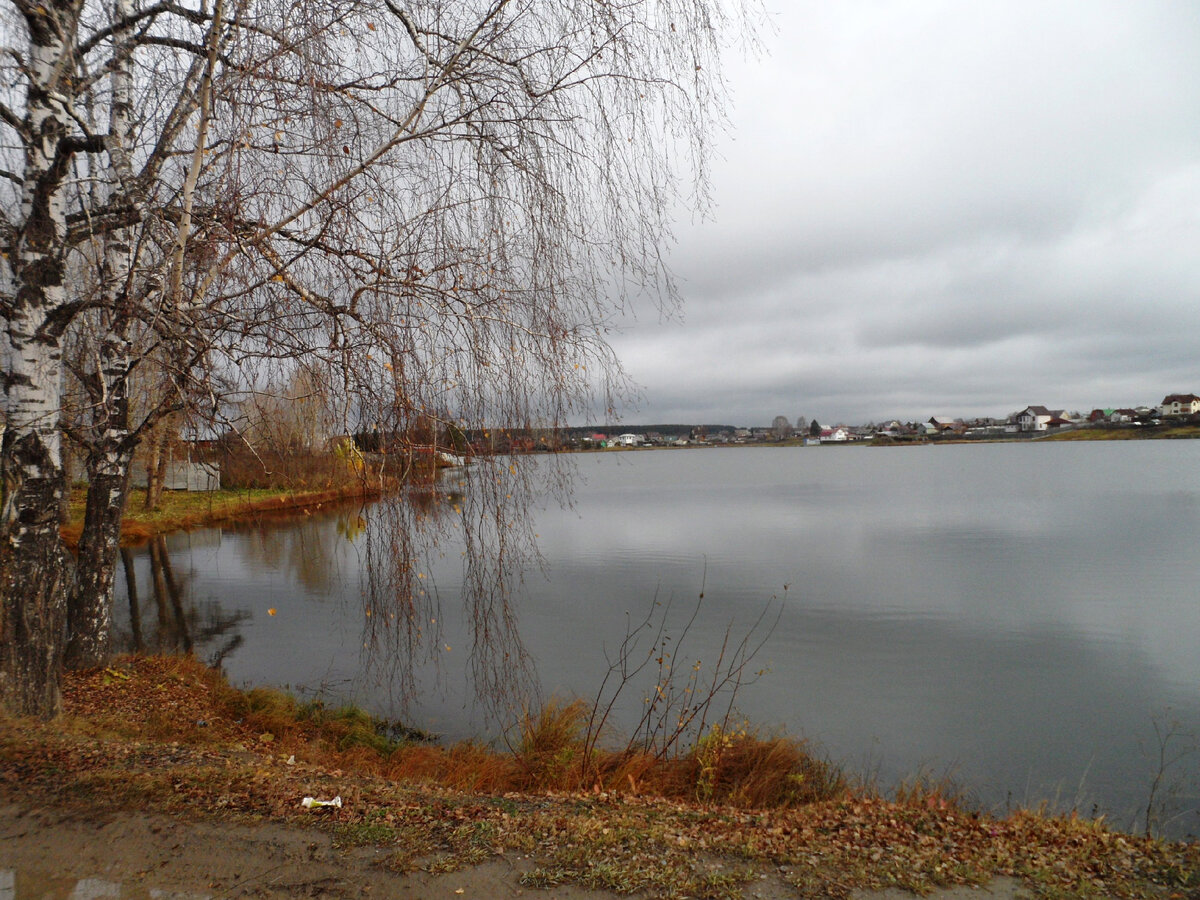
point(48, 854)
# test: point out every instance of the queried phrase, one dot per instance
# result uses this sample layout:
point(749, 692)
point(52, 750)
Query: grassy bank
point(180, 510)
point(167, 735)
point(1127, 433)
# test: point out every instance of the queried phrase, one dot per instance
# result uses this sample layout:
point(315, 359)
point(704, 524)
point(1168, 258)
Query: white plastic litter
point(314, 803)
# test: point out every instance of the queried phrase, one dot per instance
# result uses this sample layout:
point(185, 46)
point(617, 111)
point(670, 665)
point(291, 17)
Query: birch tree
point(440, 203)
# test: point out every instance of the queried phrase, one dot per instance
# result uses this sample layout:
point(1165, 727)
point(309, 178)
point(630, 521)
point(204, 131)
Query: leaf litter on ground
point(166, 734)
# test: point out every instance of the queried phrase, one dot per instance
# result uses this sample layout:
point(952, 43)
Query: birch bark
point(110, 450)
point(33, 565)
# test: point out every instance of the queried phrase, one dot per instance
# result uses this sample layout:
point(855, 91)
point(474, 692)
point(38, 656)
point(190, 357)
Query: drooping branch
point(126, 23)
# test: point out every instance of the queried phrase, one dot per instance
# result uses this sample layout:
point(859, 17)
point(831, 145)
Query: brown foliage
point(132, 738)
point(178, 698)
point(243, 469)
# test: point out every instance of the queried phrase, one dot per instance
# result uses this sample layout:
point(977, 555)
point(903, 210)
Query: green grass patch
point(363, 834)
point(181, 510)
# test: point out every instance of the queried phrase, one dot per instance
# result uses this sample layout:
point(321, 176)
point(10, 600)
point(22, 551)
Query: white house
point(630, 440)
point(1179, 405)
point(1038, 418)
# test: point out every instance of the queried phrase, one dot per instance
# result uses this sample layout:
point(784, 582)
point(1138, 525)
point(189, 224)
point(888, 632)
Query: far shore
point(1106, 433)
point(185, 510)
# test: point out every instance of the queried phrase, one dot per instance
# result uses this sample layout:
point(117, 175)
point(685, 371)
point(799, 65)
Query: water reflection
point(481, 514)
point(1021, 615)
point(30, 885)
point(178, 624)
point(350, 594)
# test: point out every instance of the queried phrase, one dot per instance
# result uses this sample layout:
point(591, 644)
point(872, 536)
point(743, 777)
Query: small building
point(181, 475)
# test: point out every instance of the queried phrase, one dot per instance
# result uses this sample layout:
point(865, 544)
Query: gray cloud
point(944, 208)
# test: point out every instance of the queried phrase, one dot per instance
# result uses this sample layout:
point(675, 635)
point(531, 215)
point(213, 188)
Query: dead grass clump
point(737, 768)
point(268, 711)
point(465, 766)
point(742, 769)
point(551, 751)
point(930, 791)
point(632, 771)
point(346, 736)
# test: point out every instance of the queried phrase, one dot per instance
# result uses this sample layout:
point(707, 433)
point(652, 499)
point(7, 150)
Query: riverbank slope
point(165, 777)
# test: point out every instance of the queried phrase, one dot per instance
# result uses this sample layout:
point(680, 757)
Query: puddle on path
point(34, 885)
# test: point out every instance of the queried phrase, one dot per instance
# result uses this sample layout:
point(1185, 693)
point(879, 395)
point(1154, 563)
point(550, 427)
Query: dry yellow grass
point(167, 735)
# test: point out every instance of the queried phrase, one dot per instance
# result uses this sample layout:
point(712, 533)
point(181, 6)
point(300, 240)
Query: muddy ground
point(52, 854)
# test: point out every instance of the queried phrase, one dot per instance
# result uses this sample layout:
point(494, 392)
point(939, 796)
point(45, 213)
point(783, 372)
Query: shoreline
point(164, 741)
point(1070, 435)
point(190, 510)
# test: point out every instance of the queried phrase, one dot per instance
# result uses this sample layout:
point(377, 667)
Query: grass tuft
point(551, 747)
point(743, 769)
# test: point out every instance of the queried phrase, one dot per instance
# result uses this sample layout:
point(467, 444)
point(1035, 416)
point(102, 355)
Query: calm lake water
point(1021, 617)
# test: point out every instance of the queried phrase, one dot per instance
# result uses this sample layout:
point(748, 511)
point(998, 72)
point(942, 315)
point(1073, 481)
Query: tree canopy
point(438, 206)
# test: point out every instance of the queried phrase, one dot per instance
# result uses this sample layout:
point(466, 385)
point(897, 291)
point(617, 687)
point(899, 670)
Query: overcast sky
point(943, 208)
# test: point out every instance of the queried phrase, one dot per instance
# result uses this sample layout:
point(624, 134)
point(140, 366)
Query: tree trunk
point(110, 444)
point(34, 570)
point(33, 565)
point(64, 504)
point(89, 610)
point(156, 465)
point(33, 581)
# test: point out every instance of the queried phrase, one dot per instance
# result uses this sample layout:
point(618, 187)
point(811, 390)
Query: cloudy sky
point(931, 207)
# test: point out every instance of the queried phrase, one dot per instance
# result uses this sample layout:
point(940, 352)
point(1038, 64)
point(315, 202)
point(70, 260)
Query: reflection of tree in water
point(180, 624)
point(484, 512)
point(481, 512)
point(304, 549)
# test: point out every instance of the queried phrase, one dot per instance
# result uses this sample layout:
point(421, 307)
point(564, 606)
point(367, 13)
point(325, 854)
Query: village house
point(1038, 418)
point(1179, 405)
point(891, 429)
point(943, 425)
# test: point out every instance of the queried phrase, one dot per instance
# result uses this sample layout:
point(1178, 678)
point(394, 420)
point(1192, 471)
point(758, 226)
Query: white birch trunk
point(33, 565)
point(89, 609)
